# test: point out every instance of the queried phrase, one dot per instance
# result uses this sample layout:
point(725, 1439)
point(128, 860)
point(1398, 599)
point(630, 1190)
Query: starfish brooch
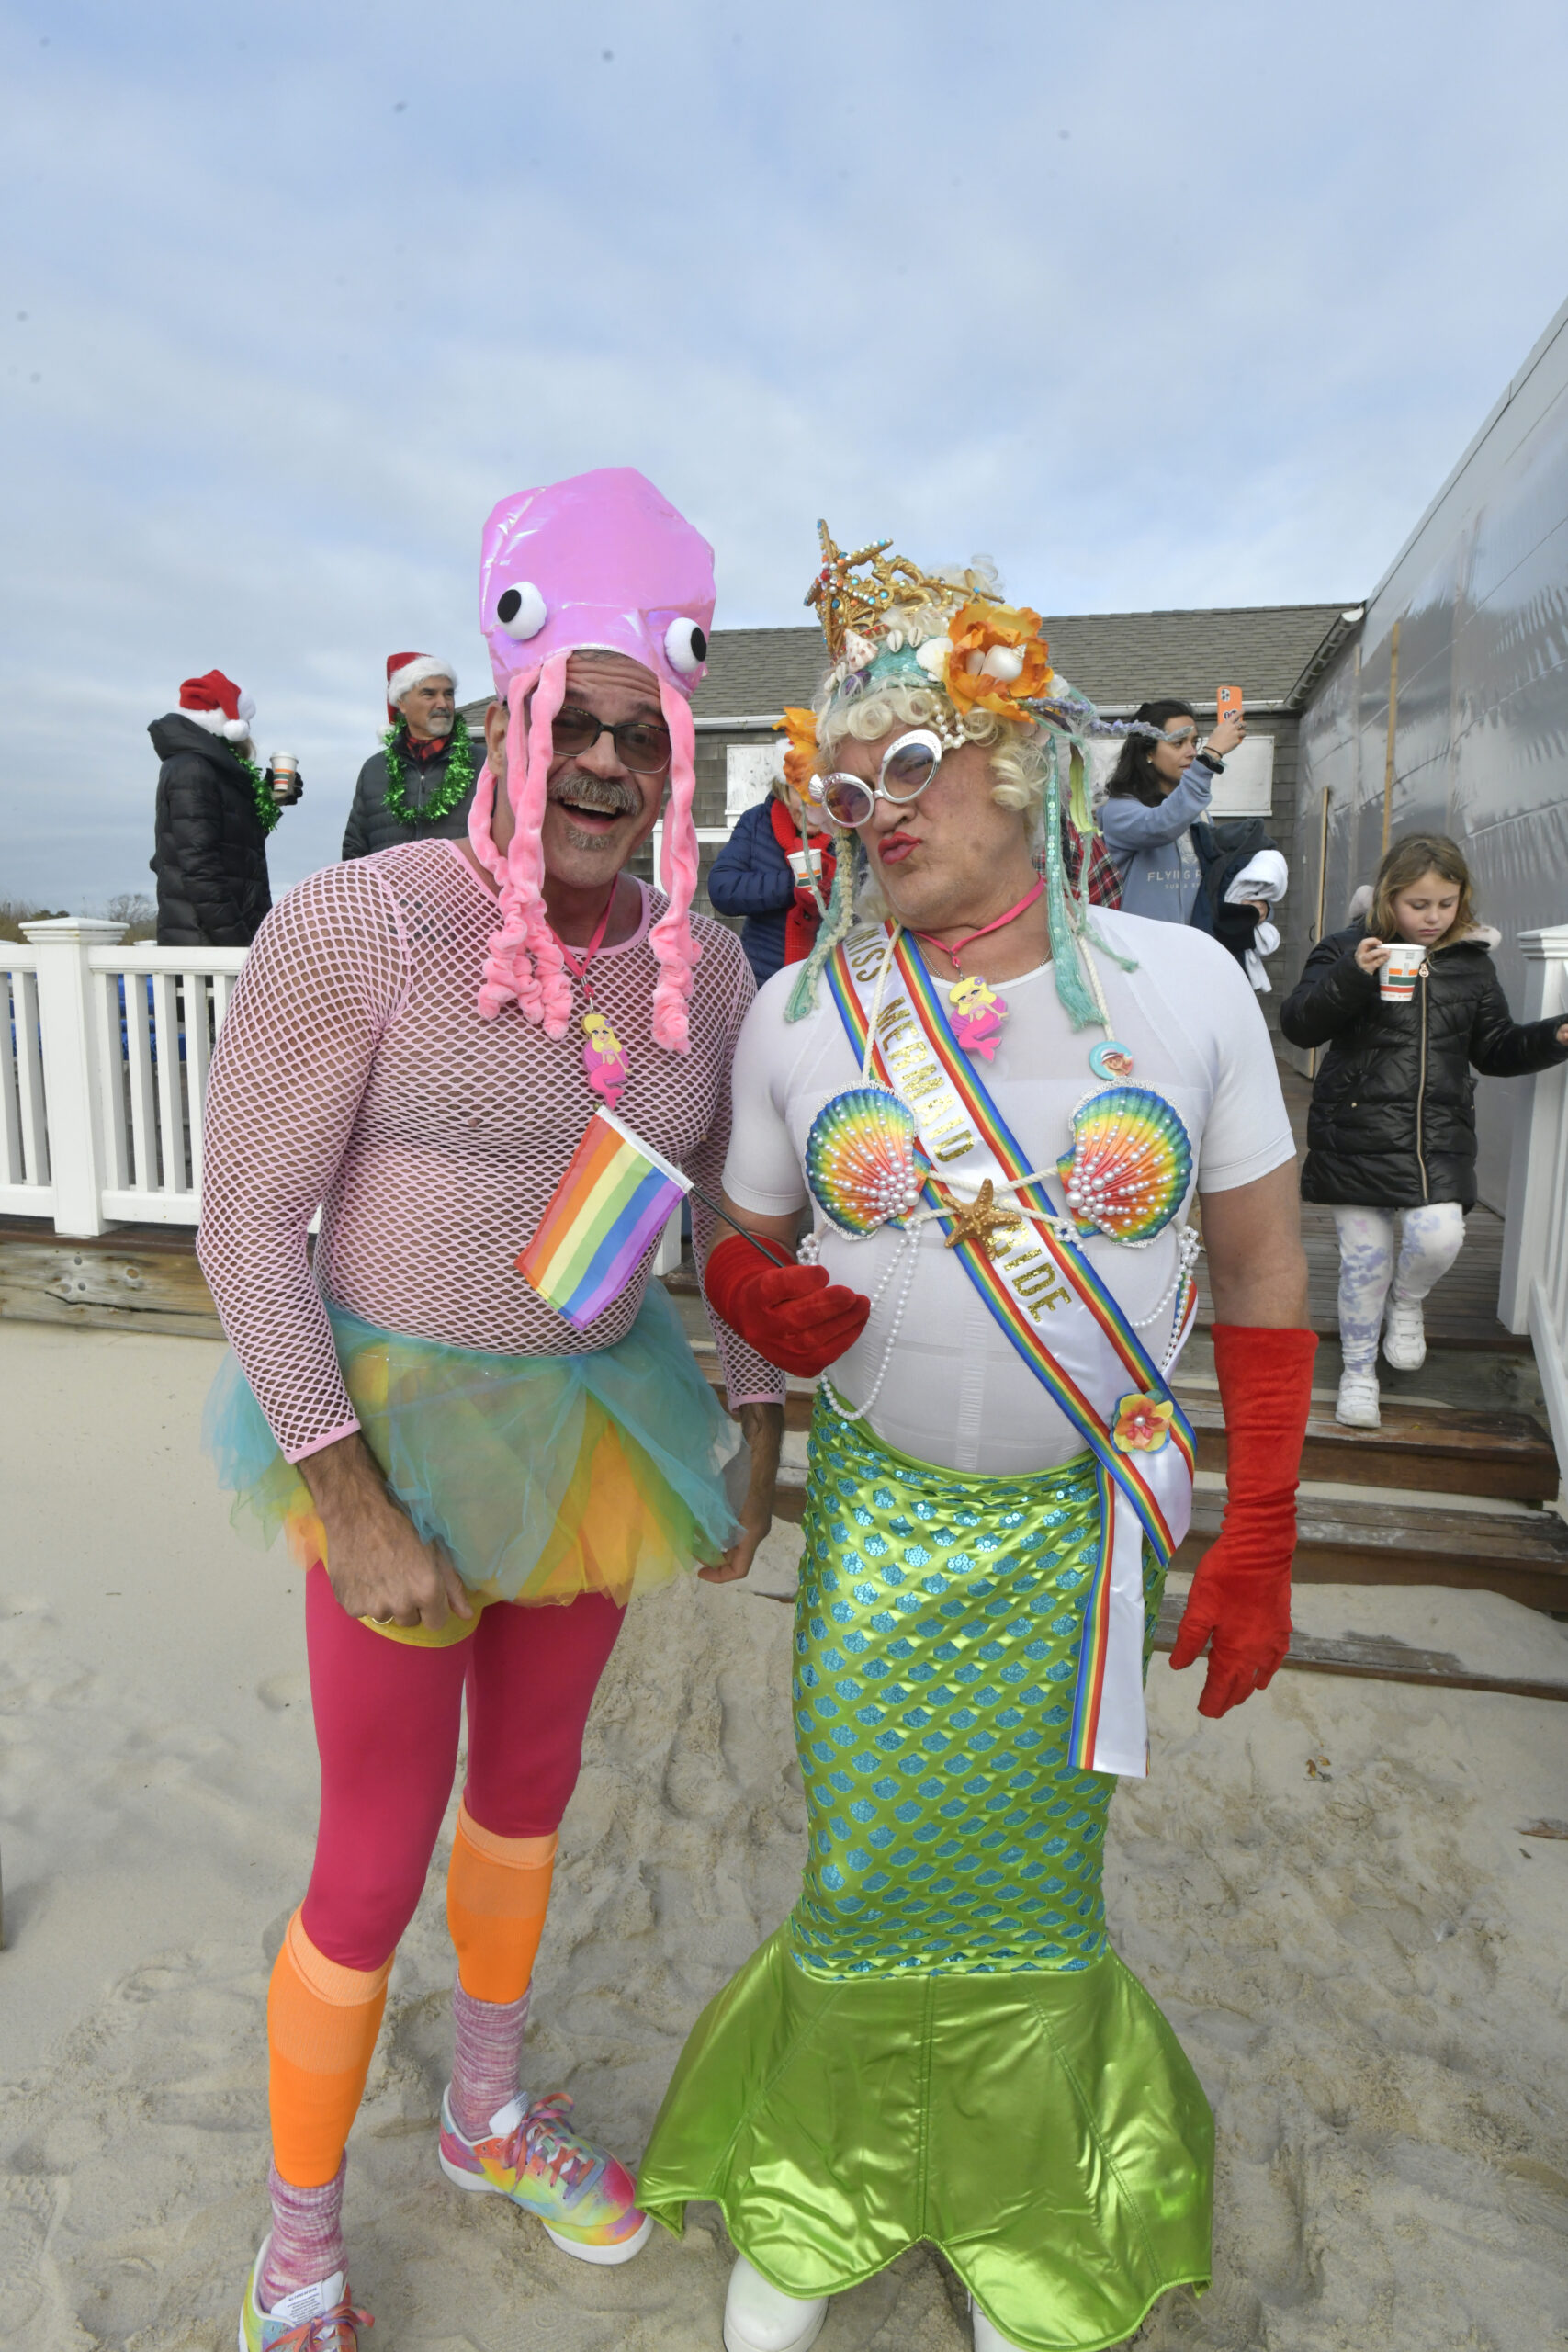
point(979, 1220)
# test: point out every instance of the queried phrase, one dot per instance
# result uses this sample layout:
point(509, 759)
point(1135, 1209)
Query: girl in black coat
point(1392, 1129)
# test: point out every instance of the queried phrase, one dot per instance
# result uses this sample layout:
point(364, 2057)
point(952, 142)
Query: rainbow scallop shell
point(1130, 1163)
point(861, 1160)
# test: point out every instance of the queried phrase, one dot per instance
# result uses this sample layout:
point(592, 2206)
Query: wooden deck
point(1462, 1310)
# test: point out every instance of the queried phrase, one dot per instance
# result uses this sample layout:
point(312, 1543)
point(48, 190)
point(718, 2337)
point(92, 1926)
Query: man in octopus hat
point(992, 1108)
point(480, 1461)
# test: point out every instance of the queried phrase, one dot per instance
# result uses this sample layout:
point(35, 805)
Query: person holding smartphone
point(1160, 789)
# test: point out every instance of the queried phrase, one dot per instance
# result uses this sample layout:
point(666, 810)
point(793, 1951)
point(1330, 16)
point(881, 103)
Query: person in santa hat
point(419, 785)
point(215, 810)
point(477, 1470)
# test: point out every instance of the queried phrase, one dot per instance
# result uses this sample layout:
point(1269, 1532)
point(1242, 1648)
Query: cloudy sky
point(1158, 305)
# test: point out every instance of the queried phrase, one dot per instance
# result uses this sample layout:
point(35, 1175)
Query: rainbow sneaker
point(586, 2200)
point(313, 2319)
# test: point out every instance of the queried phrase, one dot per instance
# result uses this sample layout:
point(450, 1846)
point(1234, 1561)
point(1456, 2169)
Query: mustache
point(604, 793)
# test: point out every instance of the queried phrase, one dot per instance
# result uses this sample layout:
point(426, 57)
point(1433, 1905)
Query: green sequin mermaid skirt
point(939, 2043)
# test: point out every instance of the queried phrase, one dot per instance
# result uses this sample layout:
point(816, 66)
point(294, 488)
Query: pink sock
point(307, 2236)
point(487, 2045)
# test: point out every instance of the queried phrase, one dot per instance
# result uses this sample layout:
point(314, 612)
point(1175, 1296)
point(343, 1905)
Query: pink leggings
point(386, 1722)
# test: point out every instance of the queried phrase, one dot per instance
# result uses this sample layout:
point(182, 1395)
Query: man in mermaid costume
point(996, 1109)
point(476, 1485)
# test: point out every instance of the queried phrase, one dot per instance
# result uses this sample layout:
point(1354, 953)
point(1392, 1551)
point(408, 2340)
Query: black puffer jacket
point(371, 824)
point(1392, 1117)
point(209, 853)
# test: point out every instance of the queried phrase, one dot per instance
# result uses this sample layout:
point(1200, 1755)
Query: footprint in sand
point(290, 1688)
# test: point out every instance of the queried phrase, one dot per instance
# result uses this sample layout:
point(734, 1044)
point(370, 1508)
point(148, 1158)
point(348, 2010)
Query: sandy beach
point(1329, 1893)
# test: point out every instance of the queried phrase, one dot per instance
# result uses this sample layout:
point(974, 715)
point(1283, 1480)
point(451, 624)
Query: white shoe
point(987, 2338)
point(1358, 1405)
point(1405, 1340)
point(757, 2318)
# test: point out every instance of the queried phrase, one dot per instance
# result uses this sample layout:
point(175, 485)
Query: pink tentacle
point(670, 939)
point(525, 962)
point(504, 981)
point(553, 988)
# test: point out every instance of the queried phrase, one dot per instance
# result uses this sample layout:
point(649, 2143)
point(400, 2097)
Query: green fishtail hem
point(1043, 2130)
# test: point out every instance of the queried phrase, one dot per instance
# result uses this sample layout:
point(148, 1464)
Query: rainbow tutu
point(543, 1477)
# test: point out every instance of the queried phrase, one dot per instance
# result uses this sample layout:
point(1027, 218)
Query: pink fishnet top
point(353, 1070)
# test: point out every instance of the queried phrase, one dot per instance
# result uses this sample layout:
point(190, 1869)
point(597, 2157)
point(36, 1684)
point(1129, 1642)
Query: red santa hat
point(408, 670)
point(216, 703)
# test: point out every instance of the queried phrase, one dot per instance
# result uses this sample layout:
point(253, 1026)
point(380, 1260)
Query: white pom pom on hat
point(216, 703)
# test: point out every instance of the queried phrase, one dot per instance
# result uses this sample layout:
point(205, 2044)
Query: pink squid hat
point(600, 560)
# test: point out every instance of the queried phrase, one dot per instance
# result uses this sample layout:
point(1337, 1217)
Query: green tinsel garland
point(267, 809)
point(459, 775)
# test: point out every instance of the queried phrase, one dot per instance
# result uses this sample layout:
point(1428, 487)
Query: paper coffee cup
point(805, 862)
point(1397, 977)
point(284, 768)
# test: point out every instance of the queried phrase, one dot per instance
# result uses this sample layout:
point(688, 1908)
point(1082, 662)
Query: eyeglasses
point(907, 766)
point(642, 744)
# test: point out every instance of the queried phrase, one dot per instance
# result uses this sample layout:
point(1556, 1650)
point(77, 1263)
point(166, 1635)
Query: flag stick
point(713, 1210)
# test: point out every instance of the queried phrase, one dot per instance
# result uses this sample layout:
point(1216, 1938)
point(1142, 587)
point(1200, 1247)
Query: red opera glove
point(1241, 1593)
point(790, 1314)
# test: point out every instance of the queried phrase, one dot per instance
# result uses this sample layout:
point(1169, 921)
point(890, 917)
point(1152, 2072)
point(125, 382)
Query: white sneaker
point(1358, 1405)
point(757, 2318)
point(1405, 1340)
point(988, 2338)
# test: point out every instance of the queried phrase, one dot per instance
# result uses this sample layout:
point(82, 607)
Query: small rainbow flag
point(602, 1216)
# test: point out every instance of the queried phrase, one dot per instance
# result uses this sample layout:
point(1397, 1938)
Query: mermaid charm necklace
point(976, 1010)
point(604, 1056)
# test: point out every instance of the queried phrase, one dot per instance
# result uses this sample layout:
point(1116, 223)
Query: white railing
point(103, 1074)
point(1534, 1293)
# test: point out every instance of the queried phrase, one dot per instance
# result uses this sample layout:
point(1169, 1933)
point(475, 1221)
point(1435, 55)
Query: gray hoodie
point(1157, 863)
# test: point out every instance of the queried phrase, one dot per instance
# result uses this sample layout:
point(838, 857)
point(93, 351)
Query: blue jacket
point(750, 877)
point(1158, 866)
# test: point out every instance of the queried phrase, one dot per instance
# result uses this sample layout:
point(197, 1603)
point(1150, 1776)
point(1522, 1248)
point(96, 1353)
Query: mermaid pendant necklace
point(604, 1056)
point(976, 1010)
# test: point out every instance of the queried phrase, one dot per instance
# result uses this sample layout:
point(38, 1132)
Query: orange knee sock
point(498, 1890)
point(322, 2023)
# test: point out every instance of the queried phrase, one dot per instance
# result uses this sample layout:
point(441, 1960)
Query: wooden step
point(1521, 1553)
point(1436, 1448)
point(1377, 1657)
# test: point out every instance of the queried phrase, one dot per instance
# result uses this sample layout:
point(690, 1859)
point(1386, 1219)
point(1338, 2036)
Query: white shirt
point(956, 1392)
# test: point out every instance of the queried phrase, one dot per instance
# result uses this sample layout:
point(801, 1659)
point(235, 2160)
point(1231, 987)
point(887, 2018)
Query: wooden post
point(72, 1085)
point(1532, 1229)
point(1392, 724)
point(1322, 896)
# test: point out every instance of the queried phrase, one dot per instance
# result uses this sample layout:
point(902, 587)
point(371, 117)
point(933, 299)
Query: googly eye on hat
point(521, 610)
point(685, 646)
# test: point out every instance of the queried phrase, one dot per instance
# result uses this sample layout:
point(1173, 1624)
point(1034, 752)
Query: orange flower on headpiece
point(800, 759)
point(998, 656)
point(1142, 1424)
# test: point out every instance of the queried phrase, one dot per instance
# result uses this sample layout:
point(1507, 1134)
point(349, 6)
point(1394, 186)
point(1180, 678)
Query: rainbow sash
point(1061, 1316)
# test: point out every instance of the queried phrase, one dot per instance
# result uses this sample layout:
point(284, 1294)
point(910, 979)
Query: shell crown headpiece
point(954, 635)
point(845, 604)
point(602, 560)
